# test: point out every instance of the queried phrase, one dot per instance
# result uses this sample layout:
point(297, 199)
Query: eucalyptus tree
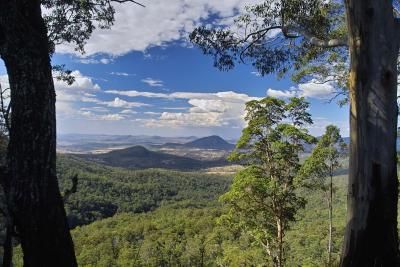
point(27, 41)
point(353, 44)
point(262, 198)
point(318, 170)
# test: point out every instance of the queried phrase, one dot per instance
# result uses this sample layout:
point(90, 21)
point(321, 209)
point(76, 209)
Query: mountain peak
point(210, 142)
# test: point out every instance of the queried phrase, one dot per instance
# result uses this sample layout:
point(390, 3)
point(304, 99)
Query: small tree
point(321, 166)
point(262, 198)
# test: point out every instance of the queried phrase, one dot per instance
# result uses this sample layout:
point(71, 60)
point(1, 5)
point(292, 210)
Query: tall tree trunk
point(371, 236)
point(280, 243)
point(330, 208)
point(8, 247)
point(33, 193)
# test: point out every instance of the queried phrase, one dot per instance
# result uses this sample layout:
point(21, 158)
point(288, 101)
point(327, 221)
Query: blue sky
point(149, 80)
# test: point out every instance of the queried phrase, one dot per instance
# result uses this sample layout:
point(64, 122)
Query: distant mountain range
point(87, 143)
point(209, 142)
point(139, 157)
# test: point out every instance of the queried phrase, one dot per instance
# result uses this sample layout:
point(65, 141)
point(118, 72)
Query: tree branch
point(73, 188)
point(286, 30)
point(126, 1)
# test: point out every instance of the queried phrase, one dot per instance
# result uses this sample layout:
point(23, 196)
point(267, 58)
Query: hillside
point(172, 236)
point(139, 157)
point(104, 191)
point(210, 142)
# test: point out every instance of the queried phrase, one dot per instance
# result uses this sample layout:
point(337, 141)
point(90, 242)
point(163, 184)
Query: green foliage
point(182, 235)
point(318, 170)
point(284, 37)
point(324, 161)
point(74, 21)
point(104, 191)
point(263, 199)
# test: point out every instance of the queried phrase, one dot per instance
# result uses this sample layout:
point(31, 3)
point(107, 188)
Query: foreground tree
point(27, 40)
point(262, 198)
point(318, 170)
point(313, 38)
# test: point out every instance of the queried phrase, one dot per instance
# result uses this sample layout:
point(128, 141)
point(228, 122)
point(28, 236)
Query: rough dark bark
point(371, 235)
point(8, 247)
point(33, 194)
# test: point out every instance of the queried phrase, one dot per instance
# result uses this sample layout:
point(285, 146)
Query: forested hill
point(104, 191)
point(176, 236)
point(139, 157)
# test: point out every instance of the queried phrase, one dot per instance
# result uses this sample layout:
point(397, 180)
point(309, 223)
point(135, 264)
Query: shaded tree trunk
point(8, 247)
point(371, 235)
point(33, 194)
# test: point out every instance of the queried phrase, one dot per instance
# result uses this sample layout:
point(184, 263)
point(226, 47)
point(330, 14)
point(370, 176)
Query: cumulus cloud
point(82, 90)
point(163, 23)
point(316, 90)
point(120, 103)
point(311, 89)
point(82, 84)
point(94, 116)
point(206, 109)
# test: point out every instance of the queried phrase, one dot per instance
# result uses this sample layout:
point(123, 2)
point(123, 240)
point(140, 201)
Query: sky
point(144, 77)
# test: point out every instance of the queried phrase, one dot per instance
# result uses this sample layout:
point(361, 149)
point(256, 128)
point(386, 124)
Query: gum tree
point(353, 44)
point(262, 198)
point(318, 170)
point(27, 41)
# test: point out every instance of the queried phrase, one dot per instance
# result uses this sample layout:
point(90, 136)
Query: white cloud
point(116, 73)
point(82, 90)
point(311, 89)
point(4, 81)
point(206, 109)
point(93, 116)
point(228, 95)
point(112, 117)
point(281, 94)
point(153, 82)
point(137, 28)
point(95, 61)
point(82, 84)
point(120, 103)
point(128, 111)
point(315, 90)
point(134, 93)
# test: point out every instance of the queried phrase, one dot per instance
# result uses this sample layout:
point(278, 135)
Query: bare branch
point(288, 33)
point(126, 1)
point(73, 188)
point(4, 111)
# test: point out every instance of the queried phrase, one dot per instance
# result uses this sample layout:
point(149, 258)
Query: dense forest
point(169, 218)
point(104, 191)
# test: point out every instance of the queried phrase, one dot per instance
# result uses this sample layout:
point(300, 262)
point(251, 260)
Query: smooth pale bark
point(280, 233)
point(32, 191)
point(371, 235)
point(330, 208)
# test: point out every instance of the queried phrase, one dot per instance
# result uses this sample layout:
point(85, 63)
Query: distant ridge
point(139, 157)
point(210, 142)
